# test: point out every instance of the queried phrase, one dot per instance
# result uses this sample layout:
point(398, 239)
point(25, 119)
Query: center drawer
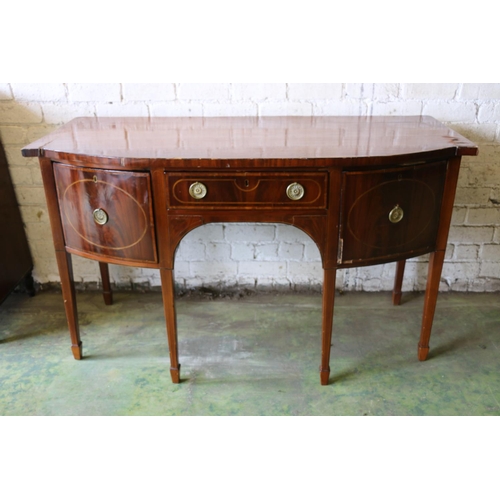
point(248, 190)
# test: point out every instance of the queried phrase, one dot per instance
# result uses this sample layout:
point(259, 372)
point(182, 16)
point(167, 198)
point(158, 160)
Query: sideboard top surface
point(224, 138)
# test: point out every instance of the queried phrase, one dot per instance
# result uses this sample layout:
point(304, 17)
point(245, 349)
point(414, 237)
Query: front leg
point(435, 267)
point(168, 294)
point(65, 266)
point(326, 336)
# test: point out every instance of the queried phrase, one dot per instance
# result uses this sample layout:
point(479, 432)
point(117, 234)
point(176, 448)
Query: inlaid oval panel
point(107, 212)
point(391, 212)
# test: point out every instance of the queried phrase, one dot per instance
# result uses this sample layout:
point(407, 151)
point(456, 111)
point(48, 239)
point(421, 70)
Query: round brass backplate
point(396, 214)
point(295, 191)
point(100, 216)
point(197, 190)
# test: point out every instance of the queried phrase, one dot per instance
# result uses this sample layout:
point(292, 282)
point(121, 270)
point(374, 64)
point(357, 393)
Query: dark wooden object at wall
point(367, 190)
point(15, 257)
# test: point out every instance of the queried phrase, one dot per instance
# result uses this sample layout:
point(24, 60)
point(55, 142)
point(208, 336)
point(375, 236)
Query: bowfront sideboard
point(367, 190)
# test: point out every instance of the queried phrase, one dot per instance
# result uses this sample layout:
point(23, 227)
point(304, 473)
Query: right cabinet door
point(390, 214)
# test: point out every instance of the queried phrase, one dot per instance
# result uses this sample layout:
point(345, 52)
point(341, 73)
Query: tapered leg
point(398, 282)
point(328, 306)
point(106, 285)
point(65, 266)
point(167, 287)
point(431, 293)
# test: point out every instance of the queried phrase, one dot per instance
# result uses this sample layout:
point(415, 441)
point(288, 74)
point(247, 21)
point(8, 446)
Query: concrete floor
point(255, 355)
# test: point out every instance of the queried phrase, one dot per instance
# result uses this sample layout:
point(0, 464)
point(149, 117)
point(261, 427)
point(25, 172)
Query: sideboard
point(367, 190)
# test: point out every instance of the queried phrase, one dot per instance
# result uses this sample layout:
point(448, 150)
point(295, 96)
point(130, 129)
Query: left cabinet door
point(107, 213)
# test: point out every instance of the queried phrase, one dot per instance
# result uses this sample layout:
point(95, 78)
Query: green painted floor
point(255, 355)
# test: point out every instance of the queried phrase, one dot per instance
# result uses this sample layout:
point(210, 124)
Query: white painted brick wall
point(259, 255)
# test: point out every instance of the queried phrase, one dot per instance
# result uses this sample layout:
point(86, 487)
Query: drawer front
point(248, 190)
point(390, 213)
point(107, 212)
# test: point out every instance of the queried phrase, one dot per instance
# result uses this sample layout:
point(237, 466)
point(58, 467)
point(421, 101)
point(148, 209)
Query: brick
point(176, 109)
point(291, 251)
point(291, 234)
point(488, 153)
point(458, 216)
point(449, 252)
point(264, 282)
point(346, 107)
point(267, 251)
point(314, 91)
point(15, 157)
point(480, 91)
point(311, 252)
point(491, 252)
point(38, 231)
point(39, 91)
point(218, 251)
point(258, 91)
point(305, 272)
point(191, 251)
point(251, 232)
point(148, 91)
point(483, 216)
point(242, 251)
point(208, 232)
point(5, 92)
point(460, 271)
point(489, 112)
point(98, 92)
point(490, 269)
point(478, 133)
point(450, 111)
point(34, 214)
point(466, 252)
point(35, 132)
point(203, 91)
point(12, 112)
point(13, 135)
point(285, 109)
point(229, 109)
point(405, 108)
point(29, 195)
point(122, 109)
point(484, 175)
point(181, 270)
point(259, 268)
point(213, 270)
point(429, 90)
point(59, 113)
point(20, 176)
point(372, 91)
point(484, 285)
point(152, 276)
point(472, 196)
point(464, 234)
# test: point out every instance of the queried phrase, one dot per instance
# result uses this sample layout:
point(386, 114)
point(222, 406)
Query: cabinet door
point(107, 213)
point(390, 214)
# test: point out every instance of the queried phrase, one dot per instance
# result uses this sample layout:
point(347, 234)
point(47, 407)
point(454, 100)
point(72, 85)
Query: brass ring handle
point(100, 216)
point(396, 214)
point(197, 190)
point(295, 191)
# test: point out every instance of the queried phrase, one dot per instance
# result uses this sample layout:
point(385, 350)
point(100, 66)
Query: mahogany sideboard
point(367, 190)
